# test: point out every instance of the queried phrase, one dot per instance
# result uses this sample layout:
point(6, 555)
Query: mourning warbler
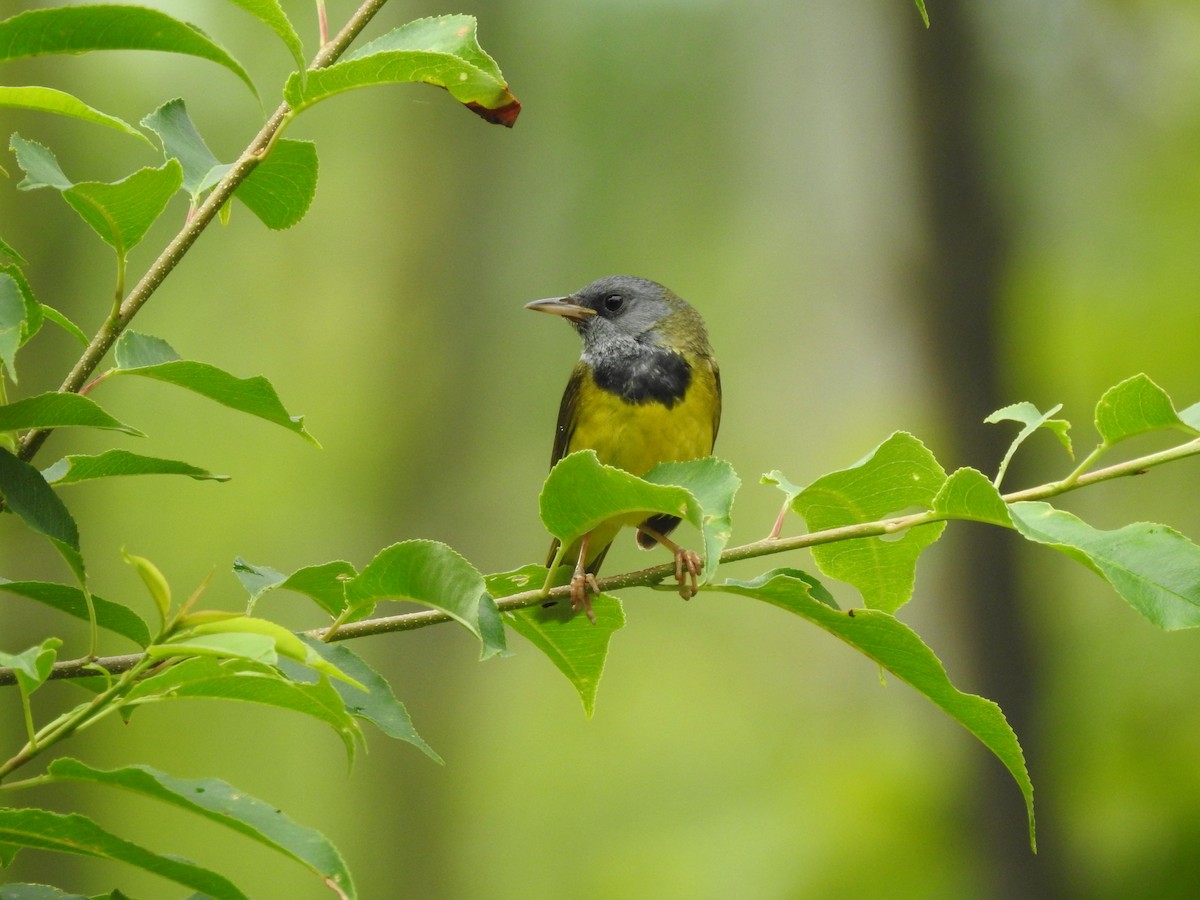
point(646, 390)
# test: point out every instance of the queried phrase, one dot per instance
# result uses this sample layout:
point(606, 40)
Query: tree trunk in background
point(960, 297)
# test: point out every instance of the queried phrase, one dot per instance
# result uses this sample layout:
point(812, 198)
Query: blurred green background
point(885, 227)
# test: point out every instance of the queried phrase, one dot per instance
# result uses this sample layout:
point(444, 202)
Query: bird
point(646, 390)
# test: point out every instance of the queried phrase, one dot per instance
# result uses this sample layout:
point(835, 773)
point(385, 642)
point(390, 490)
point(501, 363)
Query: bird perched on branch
point(646, 390)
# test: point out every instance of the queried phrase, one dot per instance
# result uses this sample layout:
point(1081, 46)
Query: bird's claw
point(687, 572)
point(582, 585)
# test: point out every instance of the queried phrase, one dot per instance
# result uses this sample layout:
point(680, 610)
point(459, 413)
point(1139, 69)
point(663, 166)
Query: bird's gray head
point(614, 309)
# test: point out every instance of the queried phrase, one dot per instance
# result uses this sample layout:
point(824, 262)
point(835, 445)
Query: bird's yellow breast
point(637, 436)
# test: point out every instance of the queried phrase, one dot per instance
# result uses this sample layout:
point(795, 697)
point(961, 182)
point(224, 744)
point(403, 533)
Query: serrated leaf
point(220, 802)
point(32, 666)
point(1029, 416)
point(123, 211)
point(1154, 568)
point(1135, 406)
point(898, 474)
point(441, 51)
point(20, 316)
point(6, 250)
point(324, 583)
point(12, 321)
point(430, 573)
point(69, 599)
point(117, 463)
point(582, 493)
point(378, 705)
point(181, 141)
point(36, 892)
point(257, 580)
point(44, 830)
point(272, 15)
point(26, 493)
point(241, 678)
point(254, 396)
point(898, 649)
point(713, 483)
point(81, 29)
point(281, 188)
point(968, 494)
point(39, 165)
point(577, 648)
point(59, 410)
point(49, 100)
point(53, 315)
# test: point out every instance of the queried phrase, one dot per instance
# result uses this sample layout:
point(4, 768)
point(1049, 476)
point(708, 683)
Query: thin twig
point(654, 574)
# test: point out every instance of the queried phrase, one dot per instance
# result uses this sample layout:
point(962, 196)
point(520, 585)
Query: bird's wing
point(568, 414)
point(716, 371)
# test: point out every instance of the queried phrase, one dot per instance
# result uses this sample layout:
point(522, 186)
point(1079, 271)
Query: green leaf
point(243, 679)
point(113, 463)
point(287, 643)
point(271, 14)
point(49, 100)
point(576, 647)
point(53, 315)
point(122, 212)
point(1135, 406)
point(69, 599)
point(442, 51)
point(713, 483)
point(39, 165)
point(281, 188)
point(898, 474)
point(37, 892)
point(181, 141)
point(20, 315)
point(81, 29)
point(257, 580)
point(1191, 416)
point(378, 705)
point(1029, 416)
point(220, 802)
point(778, 479)
point(967, 494)
point(1154, 568)
point(6, 250)
point(12, 322)
point(155, 582)
point(254, 396)
point(58, 410)
point(430, 573)
point(582, 493)
point(32, 667)
point(897, 648)
point(27, 494)
point(921, 10)
point(324, 583)
point(44, 830)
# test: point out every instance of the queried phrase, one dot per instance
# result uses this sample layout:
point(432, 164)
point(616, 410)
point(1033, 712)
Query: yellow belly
point(636, 437)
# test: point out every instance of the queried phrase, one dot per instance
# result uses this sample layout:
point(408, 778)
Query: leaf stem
point(654, 574)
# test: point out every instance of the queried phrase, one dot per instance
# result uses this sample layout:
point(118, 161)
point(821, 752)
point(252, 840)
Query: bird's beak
point(561, 306)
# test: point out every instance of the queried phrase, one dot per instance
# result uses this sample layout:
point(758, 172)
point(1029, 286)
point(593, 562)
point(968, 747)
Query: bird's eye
point(614, 302)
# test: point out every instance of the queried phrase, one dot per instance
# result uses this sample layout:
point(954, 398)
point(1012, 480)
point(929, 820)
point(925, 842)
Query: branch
point(32, 441)
point(653, 575)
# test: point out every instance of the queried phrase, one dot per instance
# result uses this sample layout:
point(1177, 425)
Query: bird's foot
point(582, 585)
point(688, 564)
point(687, 572)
